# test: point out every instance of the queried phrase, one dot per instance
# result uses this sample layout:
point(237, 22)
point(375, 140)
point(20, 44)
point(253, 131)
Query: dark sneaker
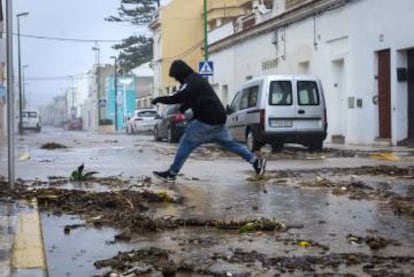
point(259, 166)
point(165, 176)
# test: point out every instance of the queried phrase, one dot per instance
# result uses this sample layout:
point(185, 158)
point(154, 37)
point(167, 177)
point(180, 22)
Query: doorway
point(384, 94)
point(410, 86)
point(337, 115)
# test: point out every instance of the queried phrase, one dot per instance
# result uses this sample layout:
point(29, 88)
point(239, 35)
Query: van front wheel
point(251, 142)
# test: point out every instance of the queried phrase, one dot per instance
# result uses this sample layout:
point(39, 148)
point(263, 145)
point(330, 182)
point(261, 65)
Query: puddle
point(75, 254)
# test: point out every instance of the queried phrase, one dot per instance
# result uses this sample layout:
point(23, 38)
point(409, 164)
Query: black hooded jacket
point(195, 93)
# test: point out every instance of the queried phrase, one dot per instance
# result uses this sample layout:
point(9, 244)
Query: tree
point(135, 50)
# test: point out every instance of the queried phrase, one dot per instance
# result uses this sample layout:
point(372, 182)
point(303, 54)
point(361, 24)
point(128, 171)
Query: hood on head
point(179, 70)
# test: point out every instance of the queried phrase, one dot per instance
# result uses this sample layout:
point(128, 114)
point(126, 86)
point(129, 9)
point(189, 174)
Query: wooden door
point(384, 94)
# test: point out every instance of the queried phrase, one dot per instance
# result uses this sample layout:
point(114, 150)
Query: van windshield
point(30, 114)
point(280, 93)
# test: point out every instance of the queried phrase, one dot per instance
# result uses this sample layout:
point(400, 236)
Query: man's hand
point(154, 101)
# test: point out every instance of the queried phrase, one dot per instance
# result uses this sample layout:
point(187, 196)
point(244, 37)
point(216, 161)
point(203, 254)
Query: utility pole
point(10, 94)
point(205, 32)
point(20, 73)
point(98, 84)
point(24, 87)
point(116, 92)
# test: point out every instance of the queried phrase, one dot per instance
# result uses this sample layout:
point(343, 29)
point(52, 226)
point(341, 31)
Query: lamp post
point(98, 84)
point(20, 72)
point(116, 92)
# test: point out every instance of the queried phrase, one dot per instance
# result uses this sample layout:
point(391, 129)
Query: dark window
point(244, 101)
point(308, 94)
point(249, 97)
point(280, 93)
point(253, 93)
point(147, 113)
point(29, 114)
point(235, 103)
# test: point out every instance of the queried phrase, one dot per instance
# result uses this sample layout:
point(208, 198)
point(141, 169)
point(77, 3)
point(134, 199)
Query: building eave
point(290, 16)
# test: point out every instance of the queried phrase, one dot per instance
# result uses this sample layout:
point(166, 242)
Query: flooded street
point(340, 212)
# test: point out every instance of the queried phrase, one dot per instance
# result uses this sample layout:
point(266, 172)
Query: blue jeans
point(198, 133)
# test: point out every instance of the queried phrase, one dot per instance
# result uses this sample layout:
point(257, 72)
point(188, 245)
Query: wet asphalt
point(215, 186)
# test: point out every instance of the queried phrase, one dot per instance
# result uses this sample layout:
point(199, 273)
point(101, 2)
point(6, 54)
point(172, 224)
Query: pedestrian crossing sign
point(206, 68)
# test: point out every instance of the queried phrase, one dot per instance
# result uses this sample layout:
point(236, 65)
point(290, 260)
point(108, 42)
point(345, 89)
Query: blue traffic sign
point(102, 102)
point(206, 68)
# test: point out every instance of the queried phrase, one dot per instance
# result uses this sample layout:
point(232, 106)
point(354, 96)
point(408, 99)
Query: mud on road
point(250, 245)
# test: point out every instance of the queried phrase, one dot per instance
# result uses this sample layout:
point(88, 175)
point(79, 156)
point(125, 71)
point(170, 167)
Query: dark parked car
point(171, 124)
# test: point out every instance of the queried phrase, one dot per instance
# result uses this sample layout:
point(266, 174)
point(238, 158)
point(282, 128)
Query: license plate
point(280, 123)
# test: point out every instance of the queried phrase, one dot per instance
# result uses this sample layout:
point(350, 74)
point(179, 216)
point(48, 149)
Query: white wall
point(344, 58)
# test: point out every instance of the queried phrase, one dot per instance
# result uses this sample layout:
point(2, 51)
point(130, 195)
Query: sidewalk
point(21, 242)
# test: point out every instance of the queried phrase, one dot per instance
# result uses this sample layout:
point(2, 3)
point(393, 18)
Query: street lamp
point(20, 72)
point(116, 92)
point(98, 84)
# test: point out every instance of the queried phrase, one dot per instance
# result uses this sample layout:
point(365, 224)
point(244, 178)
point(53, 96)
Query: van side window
point(308, 93)
point(253, 92)
point(249, 97)
point(280, 93)
point(235, 103)
point(244, 101)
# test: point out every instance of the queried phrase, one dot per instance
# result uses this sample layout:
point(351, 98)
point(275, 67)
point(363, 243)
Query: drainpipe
point(205, 32)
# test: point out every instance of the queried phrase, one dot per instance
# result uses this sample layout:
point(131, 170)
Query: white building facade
point(362, 50)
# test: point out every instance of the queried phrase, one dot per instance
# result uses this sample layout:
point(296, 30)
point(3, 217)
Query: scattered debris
point(68, 228)
point(136, 262)
point(374, 242)
point(25, 156)
point(387, 156)
point(403, 205)
point(52, 146)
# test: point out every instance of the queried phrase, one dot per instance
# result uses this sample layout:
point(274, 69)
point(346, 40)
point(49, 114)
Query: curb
point(28, 253)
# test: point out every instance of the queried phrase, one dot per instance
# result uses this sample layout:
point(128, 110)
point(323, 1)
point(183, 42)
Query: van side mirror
point(157, 116)
point(228, 109)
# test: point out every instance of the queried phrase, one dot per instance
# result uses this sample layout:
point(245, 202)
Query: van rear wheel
point(316, 145)
point(277, 146)
point(251, 142)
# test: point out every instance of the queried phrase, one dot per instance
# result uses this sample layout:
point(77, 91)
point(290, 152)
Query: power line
point(68, 39)
point(185, 52)
point(63, 77)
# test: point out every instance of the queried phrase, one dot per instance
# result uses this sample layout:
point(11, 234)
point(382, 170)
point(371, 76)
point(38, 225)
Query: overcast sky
point(77, 19)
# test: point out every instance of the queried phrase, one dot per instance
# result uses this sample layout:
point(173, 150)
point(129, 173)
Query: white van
point(278, 109)
point(31, 120)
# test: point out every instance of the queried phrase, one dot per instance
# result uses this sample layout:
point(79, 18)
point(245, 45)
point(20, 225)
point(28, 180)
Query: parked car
point(143, 120)
point(73, 124)
point(171, 124)
point(31, 120)
point(278, 109)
